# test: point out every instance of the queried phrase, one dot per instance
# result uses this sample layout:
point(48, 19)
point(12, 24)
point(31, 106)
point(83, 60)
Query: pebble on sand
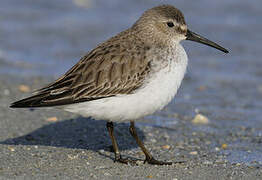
point(224, 146)
point(83, 3)
point(193, 153)
point(11, 149)
point(166, 147)
point(200, 119)
point(71, 157)
point(24, 88)
point(202, 88)
point(52, 119)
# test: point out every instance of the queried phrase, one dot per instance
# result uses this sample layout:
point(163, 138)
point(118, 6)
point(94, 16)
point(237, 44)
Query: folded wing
point(107, 71)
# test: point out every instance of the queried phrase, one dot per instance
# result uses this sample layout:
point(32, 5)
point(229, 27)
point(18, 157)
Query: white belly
point(157, 92)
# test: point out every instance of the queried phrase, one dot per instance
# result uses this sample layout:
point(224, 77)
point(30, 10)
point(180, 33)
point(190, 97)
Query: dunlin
point(131, 75)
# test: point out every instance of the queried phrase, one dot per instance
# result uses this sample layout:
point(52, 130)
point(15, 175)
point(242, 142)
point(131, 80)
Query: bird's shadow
point(79, 133)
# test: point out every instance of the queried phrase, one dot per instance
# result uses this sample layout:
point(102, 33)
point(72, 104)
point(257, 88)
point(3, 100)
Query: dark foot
point(121, 160)
point(149, 157)
point(156, 162)
point(125, 161)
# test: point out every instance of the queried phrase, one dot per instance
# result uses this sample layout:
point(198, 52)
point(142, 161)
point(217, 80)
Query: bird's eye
point(170, 24)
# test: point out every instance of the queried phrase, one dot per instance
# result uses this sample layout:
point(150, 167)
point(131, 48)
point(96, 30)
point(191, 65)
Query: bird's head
point(165, 24)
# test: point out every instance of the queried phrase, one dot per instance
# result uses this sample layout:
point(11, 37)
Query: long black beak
point(197, 38)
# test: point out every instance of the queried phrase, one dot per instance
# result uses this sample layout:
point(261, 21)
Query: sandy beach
point(211, 130)
point(53, 144)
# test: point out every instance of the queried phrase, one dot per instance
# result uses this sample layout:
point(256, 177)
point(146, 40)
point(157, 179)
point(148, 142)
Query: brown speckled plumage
point(131, 75)
point(112, 68)
point(118, 66)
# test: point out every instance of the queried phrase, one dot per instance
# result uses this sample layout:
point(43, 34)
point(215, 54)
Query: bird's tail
point(33, 101)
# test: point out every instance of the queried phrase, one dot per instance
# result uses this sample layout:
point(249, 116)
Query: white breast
point(156, 93)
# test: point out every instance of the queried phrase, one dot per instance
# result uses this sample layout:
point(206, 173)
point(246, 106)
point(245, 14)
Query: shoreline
point(70, 146)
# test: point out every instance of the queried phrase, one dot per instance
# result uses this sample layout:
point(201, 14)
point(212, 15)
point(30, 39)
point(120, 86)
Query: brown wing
point(104, 72)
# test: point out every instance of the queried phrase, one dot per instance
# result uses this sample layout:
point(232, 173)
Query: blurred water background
point(46, 37)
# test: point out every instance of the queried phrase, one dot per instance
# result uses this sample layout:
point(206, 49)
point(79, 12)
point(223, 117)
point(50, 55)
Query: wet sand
point(41, 40)
point(33, 146)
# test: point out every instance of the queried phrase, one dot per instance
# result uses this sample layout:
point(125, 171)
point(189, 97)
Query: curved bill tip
point(197, 38)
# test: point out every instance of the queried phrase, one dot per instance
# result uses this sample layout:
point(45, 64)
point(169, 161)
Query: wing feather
point(108, 70)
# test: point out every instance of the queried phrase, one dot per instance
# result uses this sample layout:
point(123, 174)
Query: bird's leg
point(118, 158)
point(149, 158)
